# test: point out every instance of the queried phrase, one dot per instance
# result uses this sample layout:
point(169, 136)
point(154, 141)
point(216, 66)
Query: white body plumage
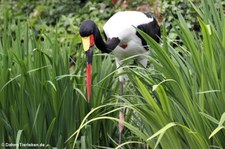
point(123, 25)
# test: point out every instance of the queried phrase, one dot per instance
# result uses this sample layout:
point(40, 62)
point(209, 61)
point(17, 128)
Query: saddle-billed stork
point(122, 41)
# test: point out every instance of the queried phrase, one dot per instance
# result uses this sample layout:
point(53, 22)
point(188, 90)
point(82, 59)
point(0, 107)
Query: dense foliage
point(177, 102)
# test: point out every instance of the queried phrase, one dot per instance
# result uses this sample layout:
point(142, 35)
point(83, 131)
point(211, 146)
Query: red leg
point(121, 116)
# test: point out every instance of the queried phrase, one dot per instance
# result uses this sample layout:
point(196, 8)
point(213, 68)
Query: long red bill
point(89, 55)
point(88, 80)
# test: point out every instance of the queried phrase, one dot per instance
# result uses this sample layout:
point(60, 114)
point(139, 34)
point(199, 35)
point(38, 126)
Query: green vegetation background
point(178, 102)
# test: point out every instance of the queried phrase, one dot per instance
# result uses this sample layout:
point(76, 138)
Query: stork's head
point(91, 36)
point(87, 35)
point(87, 29)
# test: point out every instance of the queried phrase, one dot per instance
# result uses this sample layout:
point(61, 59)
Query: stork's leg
point(121, 88)
point(121, 114)
point(121, 77)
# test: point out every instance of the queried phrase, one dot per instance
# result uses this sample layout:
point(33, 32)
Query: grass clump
point(183, 97)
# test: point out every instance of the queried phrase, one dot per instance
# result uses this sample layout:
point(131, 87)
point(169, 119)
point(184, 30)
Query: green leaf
point(162, 131)
point(18, 136)
point(52, 84)
point(222, 119)
point(212, 119)
point(216, 131)
point(50, 130)
point(219, 127)
point(145, 93)
point(164, 100)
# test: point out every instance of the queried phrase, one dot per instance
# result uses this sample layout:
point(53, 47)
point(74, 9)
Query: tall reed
point(41, 101)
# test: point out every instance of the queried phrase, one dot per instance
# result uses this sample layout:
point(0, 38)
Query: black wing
point(152, 29)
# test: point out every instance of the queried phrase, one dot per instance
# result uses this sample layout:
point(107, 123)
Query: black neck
point(107, 47)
